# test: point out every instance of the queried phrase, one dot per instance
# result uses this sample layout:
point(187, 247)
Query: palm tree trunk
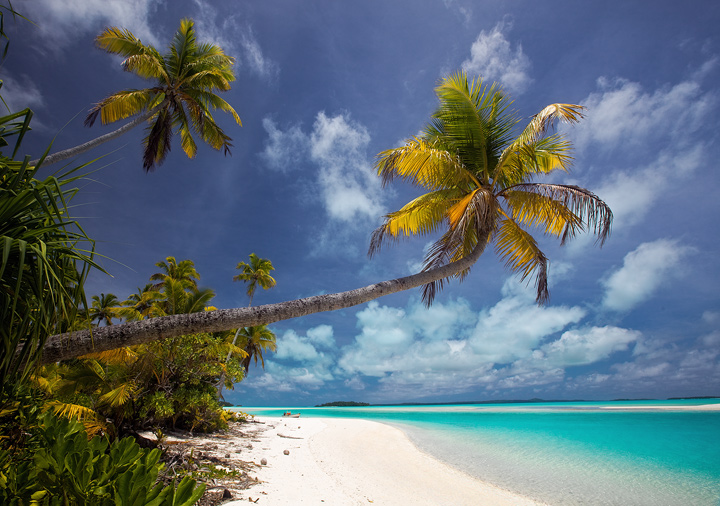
point(87, 146)
point(74, 344)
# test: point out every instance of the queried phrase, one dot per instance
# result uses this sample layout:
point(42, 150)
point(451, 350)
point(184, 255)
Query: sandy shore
point(350, 462)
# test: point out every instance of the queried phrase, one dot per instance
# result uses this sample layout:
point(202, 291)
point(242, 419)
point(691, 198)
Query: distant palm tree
point(143, 304)
point(104, 308)
point(181, 99)
point(183, 271)
point(255, 341)
point(256, 273)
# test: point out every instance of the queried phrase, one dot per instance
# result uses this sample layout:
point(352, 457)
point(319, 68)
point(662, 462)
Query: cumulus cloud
point(59, 22)
point(586, 346)
point(653, 132)
point(643, 271)
point(632, 193)
point(337, 147)
point(449, 348)
point(301, 362)
point(494, 58)
point(623, 114)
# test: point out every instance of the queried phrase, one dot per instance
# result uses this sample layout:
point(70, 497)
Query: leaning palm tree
point(180, 100)
point(479, 179)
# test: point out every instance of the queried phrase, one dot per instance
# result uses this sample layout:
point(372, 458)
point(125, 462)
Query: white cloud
point(60, 22)
point(349, 188)
point(631, 194)
point(643, 271)
point(449, 348)
point(493, 57)
point(586, 346)
point(623, 114)
point(284, 150)
point(19, 93)
point(255, 59)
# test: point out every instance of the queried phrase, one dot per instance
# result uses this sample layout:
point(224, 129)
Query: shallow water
point(567, 453)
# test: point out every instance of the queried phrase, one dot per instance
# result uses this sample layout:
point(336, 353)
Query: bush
point(70, 469)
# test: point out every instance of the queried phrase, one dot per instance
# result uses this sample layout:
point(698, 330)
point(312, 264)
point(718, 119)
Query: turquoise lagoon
point(629, 453)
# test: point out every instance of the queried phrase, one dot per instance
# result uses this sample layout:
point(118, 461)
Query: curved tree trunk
point(74, 344)
point(87, 146)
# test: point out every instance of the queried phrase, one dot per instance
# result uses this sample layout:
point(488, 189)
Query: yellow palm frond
point(124, 355)
point(545, 119)
point(147, 66)
point(536, 210)
point(88, 417)
point(584, 208)
point(522, 255)
point(118, 396)
point(421, 216)
point(186, 140)
point(422, 163)
point(123, 104)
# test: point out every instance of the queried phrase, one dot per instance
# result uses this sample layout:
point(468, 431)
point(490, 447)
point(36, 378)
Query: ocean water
point(616, 453)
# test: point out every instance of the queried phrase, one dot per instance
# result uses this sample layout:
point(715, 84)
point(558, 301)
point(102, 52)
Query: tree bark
point(73, 344)
point(87, 146)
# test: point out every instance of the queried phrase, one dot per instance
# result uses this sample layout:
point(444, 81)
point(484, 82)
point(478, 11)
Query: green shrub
point(70, 469)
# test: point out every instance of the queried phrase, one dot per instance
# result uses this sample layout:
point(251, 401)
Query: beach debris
point(286, 452)
point(289, 437)
point(263, 462)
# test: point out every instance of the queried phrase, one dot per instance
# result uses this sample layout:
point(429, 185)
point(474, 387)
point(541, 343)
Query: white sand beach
point(350, 462)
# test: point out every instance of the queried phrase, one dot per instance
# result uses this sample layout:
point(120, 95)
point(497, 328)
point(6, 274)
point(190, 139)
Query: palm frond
point(157, 142)
point(123, 355)
point(424, 164)
point(591, 212)
point(119, 395)
point(421, 216)
point(120, 105)
point(522, 255)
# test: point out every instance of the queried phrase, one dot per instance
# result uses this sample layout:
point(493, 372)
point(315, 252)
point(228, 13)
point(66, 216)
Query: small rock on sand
point(286, 452)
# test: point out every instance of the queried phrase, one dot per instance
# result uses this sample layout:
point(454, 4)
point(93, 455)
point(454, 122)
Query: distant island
point(341, 404)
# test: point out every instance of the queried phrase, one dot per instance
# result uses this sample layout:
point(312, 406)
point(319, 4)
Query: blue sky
point(321, 88)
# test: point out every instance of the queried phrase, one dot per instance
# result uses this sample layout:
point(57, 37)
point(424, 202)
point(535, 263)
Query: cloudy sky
point(322, 87)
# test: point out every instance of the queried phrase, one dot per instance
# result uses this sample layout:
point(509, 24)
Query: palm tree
point(104, 308)
point(183, 272)
point(256, 340)
point(480, 188)
point(180, 100)
point(479, 185)
point(256, 273)
point(143, 304)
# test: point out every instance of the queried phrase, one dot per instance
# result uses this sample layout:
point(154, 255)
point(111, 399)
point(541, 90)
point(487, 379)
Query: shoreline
point(346, 461)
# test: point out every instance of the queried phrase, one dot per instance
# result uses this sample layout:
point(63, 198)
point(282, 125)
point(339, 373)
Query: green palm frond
point(118, 396)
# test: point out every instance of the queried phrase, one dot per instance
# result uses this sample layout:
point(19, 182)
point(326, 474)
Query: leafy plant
point(68, 469)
